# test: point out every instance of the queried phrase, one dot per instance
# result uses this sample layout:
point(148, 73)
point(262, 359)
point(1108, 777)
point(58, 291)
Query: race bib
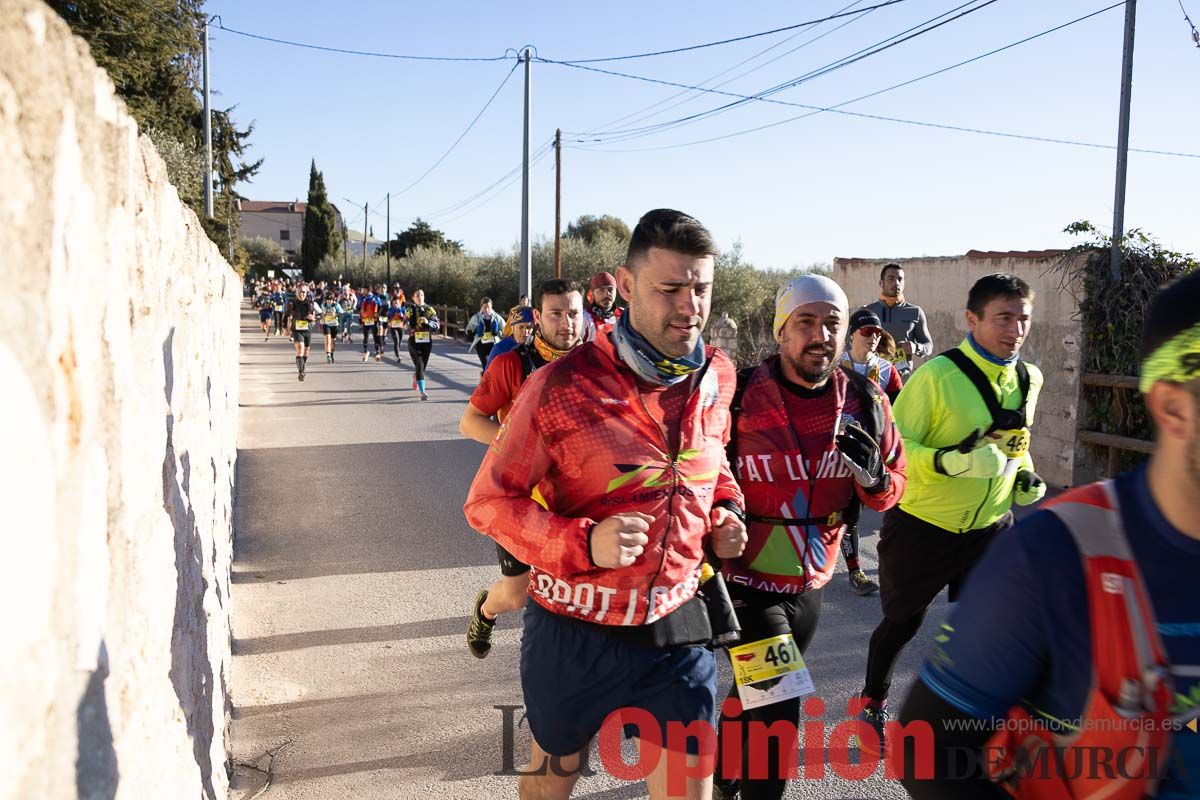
point(1014, 443)
point(770, 670)
point(331, 319)
point(279, 309)
point(368, 320)
point(396, 322)
point(301, 324)
point(488, 338)
point(422, 337)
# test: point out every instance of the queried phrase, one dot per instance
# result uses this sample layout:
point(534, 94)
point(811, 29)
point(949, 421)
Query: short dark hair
point(1172, 311)
point(998, 284)
point(556, 286)
point(886, 267)
point(485, 300)
point(671, 230)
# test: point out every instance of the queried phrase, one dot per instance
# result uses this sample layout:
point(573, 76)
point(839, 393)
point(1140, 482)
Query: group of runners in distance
point(295, 309)
point(652, 505)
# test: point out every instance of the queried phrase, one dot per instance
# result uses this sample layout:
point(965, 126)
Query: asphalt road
point(353, 577)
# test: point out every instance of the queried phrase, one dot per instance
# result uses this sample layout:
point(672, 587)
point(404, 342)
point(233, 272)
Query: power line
point(534, 161)
point(658, 107)
point(462, 135)
point(735, 39)
point(541, 151)
point(765, 95)
point(346, 51)
point(814, 110)
point(1195, 33)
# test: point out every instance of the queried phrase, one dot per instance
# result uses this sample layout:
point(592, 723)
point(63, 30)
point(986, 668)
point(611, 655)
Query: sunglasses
point(870, 330)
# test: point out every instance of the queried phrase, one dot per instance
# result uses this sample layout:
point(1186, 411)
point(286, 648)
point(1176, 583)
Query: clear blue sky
point(797, 193)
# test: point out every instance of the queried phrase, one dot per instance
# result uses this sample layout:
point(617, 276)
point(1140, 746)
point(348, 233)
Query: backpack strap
point(735, 411)
point(988, 392)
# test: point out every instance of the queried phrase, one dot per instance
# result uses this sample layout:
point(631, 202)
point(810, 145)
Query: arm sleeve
point(891, 448)
point(913, 414)
point(432, 321)
point(499, 504)
point(495, 391)
point(894, 385)
point(920, 333)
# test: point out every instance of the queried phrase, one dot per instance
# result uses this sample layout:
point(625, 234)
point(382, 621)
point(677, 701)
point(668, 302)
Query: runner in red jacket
point(624, 439)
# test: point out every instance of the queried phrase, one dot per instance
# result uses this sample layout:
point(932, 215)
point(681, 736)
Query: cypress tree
point(321, 237)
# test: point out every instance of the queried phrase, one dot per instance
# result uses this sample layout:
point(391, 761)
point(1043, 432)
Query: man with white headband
point(811, 442)
point(965, 417)
point(1085, 615)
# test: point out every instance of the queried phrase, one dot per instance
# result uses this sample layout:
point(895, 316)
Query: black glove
point(860, 454)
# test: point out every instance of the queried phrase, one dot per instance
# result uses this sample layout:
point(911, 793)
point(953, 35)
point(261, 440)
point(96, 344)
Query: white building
point(280, 221)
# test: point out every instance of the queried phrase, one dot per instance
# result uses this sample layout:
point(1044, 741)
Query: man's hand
point(728, 533)
point(973, 457)
point(907, 347)
point(1028, 487)
point(619, 540)
point(860, 454)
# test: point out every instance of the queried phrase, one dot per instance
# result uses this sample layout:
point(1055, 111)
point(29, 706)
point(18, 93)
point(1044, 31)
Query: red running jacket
point(581, 434)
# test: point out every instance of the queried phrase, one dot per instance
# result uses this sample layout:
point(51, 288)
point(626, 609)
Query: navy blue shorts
point(573, 677)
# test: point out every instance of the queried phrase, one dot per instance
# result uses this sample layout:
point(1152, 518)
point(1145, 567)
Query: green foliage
point(151, 50)
point(421, 235)
point(262, 253)
point(588, 227)
point(1112, 314)
point(320, 238)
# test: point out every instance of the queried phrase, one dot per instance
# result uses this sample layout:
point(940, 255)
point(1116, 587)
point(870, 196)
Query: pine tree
point(320, 236)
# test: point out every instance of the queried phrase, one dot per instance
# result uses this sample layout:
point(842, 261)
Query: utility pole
point(345, 251)
point(1123, 140)
point(526, 265)
point(558, 203)
point(387, 239)
point(366, 219)
point(208, 176)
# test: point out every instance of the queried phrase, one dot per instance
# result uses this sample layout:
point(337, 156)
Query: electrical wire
point(533, 161)
point(766, 94)
point(346, 51)
point(690, 48)
point(1195, 33)
point(658, 108)
point(835, 108)
point(462, 135)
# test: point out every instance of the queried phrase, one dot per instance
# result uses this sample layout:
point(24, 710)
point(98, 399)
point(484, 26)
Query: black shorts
point(331, 330)
point(765, 615)
point(302, 336)
point(918, 559)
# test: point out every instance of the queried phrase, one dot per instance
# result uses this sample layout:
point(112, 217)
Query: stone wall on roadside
point(940, 285)
point(118, 357)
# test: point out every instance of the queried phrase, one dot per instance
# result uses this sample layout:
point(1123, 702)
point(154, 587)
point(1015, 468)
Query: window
point(284, 235)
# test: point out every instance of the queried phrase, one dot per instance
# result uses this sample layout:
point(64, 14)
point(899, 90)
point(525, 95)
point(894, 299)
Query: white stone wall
point(940, 286)
point(118, 356)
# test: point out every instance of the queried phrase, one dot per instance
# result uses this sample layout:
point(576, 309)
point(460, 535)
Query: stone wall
point(118, 356)
point(940, 285)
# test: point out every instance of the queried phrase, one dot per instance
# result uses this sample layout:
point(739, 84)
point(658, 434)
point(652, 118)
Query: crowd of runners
point(653, 508)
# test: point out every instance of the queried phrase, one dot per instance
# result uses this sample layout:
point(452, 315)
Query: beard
point(816, 376)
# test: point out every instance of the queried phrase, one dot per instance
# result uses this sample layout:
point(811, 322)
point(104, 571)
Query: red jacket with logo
point(581, 434)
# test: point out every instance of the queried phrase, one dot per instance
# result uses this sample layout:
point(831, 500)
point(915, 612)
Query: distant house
point(280, 221)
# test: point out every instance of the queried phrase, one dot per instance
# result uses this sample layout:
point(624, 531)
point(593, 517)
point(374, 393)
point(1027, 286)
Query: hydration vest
point(1128, 711)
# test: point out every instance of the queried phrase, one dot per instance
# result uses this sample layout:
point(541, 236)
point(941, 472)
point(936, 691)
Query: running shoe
point(875, 717)
point(300, 376)
point(424, 396)
point(479, 633)
point(364, 358)
point(378, 358)
point(861, 584)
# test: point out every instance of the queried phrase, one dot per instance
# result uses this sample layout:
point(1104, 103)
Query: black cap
point(864, 318)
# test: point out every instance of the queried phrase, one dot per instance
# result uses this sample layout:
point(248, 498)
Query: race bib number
point(301, 324)
point(770, 670)
point(368, 320)
point(1013, 443)
point(331, 319)
point(488, 338)
point(422, 337)
point(279, 309)
point(396, 322)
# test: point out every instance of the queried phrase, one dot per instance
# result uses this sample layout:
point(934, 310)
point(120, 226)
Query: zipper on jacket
point(982, 503)
point(674, 456)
